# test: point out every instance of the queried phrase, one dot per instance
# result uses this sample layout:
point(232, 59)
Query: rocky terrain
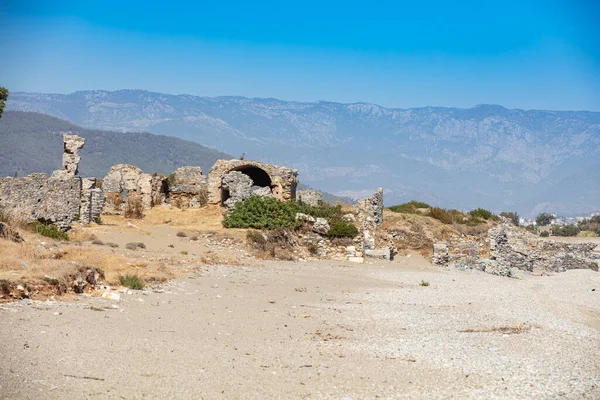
point(315, 330)
point(485, 156)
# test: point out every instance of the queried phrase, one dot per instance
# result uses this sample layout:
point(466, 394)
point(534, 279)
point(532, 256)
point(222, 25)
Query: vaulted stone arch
point(281, 180)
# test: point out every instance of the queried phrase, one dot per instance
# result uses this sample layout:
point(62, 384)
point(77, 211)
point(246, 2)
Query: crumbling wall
point(124, 180)
point(370, 216)
point(71, 158)
point(39, 198)
point(511, 247)
point(239, 187)
point(311, 197)
point(281, 180)
point(60, 199)
point(92, 201)
point(187, 188)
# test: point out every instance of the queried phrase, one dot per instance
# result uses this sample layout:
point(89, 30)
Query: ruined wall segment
point(188, 187)
point(125, 180)
point(39, 198)
point(70, 161)
point(61, 199)
point(281, 180)
point(310, 197)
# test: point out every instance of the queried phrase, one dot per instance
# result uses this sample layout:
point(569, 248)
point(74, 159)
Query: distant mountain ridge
point(485, 156)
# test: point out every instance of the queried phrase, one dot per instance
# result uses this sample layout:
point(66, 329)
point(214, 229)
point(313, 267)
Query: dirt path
point(313, 330)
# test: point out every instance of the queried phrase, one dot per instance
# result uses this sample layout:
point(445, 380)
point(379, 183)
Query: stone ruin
point(513, 248)
point(370, 216)
point(310, 197)
point(61, 199)
point(225, 181)
point(187, 188)
point(124, 181)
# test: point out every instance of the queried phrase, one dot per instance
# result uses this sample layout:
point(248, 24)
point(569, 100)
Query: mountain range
point(486, 156)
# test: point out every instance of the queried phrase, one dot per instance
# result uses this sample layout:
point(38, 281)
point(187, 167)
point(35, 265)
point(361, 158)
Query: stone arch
point(258, 176)
point(281, 180)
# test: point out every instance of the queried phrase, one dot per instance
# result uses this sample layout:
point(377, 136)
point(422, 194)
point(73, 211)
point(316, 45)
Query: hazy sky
point(521, 54)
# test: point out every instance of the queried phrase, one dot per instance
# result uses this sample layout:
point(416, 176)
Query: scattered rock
point(305, 218)
point(321, 226)
point(383, 254)
point(358, 260)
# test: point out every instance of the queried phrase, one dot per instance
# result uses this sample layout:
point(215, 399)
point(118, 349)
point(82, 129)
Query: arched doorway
point(259, 177)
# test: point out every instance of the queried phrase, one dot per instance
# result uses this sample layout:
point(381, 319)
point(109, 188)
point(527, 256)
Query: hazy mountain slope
point(31, 142)
point(484, 156)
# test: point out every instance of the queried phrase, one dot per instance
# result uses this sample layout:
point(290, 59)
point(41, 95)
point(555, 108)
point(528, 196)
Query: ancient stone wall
point(370, 210)
point(124, 180)
point(239, 187)
point(281, 180)
point(39, 198)
point(513, 248)
point(187, 188)
point(311, 197)
point(60, 199)
point(92, 201)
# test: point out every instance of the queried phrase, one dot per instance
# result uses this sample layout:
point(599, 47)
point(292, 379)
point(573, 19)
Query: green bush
point(483, 214)
point(269, 213)
point(545, 234)
point(50, 230)
point(263, 213)
point(544, 219)
point(342, 229)
point(409, 208)
point(132, 281)
point(567, 230)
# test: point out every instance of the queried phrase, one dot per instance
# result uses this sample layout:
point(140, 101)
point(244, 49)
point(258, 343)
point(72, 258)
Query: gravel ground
point(314, 330)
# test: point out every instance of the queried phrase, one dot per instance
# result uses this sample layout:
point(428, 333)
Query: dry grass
point(414, 232)
point(208, 218)
point(115, 200)
point(30, 261)
point(134, 207)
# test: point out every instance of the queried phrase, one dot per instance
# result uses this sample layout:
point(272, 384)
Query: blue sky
point(520, 54)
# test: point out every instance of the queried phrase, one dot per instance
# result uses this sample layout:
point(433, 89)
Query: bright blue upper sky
point(521, 54)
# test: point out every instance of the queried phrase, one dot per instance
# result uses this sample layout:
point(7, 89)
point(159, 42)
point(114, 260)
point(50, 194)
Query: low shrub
point(254, 237)
point(181, 234)
point(263, 213)
point(111, 244)
point(567, 230)
point(132, 281)
point(276, 244)
point(49, 230)
point(313, 248)
point(135, 246)
point(98, 242)
point(115, 199)
point(545, 234)
point(342, 229)
point(483, 214)
point(444, 216)
point(423, 283)
point(409, 208)
point(134, 208)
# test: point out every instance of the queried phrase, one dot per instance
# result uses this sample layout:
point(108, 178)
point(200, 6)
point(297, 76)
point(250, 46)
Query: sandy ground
point(324, 329)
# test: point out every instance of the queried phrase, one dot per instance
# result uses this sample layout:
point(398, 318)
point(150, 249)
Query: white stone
point(358, 260)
